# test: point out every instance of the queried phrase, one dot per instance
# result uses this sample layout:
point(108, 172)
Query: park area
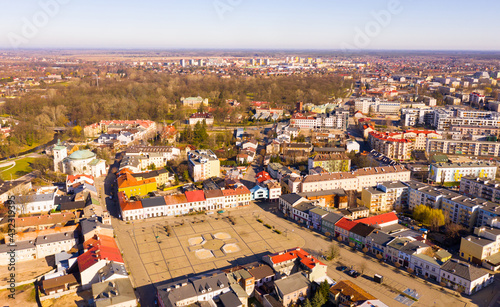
point(16, 169)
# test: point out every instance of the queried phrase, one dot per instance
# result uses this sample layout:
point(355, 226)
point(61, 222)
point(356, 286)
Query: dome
point(82, 154)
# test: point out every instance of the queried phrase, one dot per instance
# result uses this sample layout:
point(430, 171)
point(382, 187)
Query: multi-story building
point(410, 117)
point(484, 243)
point(469, 148)
point(486, 188)
point(390, 145)
point(386, 108)
point(424, 194)
point(132, 187)
point(446, 117)
point(334, 162)
point(462, 210)
point(387, 196)
point(475, 130)
point(453, 172)
point(420, 137)
point(194, 102)
point(203, 164)
point(200, 117)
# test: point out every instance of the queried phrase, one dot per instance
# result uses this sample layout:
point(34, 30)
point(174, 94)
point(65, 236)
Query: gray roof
point(462, 164)
point(380, 238)
point(215, 281)
point(332, 217)
point(463, 270)
point(88, 225)
point(170, 294)
point(318, 211)
point(304, 206)
point(291, 198)
point(393, 184)
point(20, 245)
point(262, 271)
point(115, 292)
point(111, 269)
point(229, 299)
point(412, 247)
point(56, 237)
point(33, 198)
point(153, 202)
point(478, 240)
point(292, 283)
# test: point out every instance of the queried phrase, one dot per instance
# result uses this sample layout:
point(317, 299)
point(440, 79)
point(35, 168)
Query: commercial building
point(133, 187)
point(453, 172)
point(463, 277)
point(478, 247)
point(203, 164)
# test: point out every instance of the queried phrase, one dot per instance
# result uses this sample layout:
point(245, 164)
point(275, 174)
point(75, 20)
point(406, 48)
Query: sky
point(250, 24)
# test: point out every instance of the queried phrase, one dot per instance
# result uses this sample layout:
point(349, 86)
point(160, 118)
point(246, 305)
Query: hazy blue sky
point(256, 24)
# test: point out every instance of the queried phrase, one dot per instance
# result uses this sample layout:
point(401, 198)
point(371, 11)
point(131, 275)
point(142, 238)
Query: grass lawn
point(21, 168)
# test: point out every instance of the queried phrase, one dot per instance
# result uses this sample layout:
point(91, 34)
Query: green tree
point(307, 303)
point(42, 164)
point(324, 288)
point(318, 299)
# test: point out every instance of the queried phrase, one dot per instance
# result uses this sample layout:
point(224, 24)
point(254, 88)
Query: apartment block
point(470, 148)
point(387, 196)
point(203, 164)
point(486, 188)
point(453, 172)
point(334, 162)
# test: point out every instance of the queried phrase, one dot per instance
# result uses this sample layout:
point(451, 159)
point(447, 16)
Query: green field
point(21, 168)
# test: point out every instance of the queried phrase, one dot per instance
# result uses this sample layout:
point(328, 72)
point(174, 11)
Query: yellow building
point(334, 162)
point(160, 175)
point(133, 187)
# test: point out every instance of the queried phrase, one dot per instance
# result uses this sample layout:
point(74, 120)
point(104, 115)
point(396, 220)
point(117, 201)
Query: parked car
point(342, 268)
point(353, 273)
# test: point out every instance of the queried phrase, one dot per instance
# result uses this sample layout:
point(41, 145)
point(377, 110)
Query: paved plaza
point(169, 248)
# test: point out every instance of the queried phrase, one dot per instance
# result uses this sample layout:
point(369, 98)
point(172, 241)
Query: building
point(391, 145)
point(328, 223)
point(387, 196)
point(202, 288)
point(462, 210)
point(486, 188)
point(79, 162)
point(334, 162)
point(200, 117)
point(463, 277)
point(424, 194)
point(296, 259)
point(484, 243)
point(128, 184)
point(194, 102)
point(98, 252)
point(292, 288)
point(469, 148)
point(347, 293)
point(161, 176)
point(203, 164)
point(453, 172)
point(118, 292)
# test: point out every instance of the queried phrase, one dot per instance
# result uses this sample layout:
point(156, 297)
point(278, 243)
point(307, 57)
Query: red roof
point(96, 254)
point(101, 248)
point(345, 224)
point(379, 219)
point(263, 176)
point(193, 196)
point(294, 253)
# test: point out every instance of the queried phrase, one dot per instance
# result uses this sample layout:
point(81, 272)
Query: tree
point(307, 303)
point(42, 164)
point(318, 299)
point(362, 267)
point(152, 167)
point(324, 288)
point(429, 216)
point(185, 175)
point(333, 252)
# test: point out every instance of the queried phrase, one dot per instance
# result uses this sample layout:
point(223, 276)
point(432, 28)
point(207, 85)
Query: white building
point(464, 277)
point(453, 172)
point(79, 162)
point(203, 164)
point(352, 145)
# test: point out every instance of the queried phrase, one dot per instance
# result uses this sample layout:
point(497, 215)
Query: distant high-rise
point(200, 62)
point(183, 63)
point(267, 62)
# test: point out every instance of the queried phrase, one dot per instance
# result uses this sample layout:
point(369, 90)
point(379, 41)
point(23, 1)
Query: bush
point(277, 231)
point(268, 226)
point(259, 220)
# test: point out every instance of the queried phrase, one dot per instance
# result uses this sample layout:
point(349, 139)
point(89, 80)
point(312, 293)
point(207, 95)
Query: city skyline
point(244, 25)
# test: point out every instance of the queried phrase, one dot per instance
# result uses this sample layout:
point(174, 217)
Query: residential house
point(292, 288)
point(328, 223)
point(463, 277)
point(119, 292)
point(347, 293)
